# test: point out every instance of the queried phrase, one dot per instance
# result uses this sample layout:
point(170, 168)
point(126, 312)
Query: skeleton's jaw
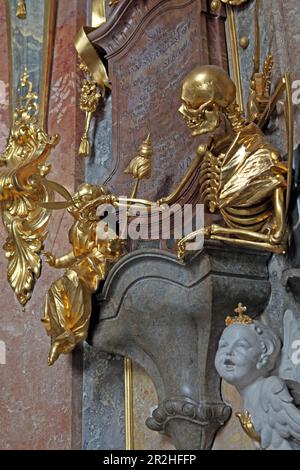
point(201, 123)
point(202, 127)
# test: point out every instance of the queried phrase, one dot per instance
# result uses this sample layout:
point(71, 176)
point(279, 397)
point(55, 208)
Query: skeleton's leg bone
point(279, 249)
point(241, 233)
point(279, 216)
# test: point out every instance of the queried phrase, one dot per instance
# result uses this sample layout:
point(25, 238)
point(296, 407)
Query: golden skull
point(206, 92)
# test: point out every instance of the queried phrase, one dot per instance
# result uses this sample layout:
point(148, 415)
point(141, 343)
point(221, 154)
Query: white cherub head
point(247, 350)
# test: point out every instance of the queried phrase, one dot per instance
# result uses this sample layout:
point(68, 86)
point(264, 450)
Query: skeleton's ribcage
point(252, 217)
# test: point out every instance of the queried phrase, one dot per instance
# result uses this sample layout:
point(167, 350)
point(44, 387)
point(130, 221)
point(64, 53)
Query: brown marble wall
point(40, 407)
point(4, 79)
point(232, 437)
point(145, 402)
point(150, 46)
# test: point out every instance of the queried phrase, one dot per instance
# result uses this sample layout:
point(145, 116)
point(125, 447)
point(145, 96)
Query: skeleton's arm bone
point(173, 196)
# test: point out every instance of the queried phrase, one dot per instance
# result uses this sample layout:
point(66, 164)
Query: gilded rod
point(129, 426)
point(48, 52)
point(235, 57)
point(10, 60)
point(98, 13)
point(290, 131)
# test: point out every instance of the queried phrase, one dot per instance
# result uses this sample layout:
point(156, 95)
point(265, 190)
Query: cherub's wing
point(290, 357)
point(280, 425)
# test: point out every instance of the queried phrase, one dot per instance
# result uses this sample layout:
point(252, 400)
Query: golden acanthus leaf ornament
point(22, 173)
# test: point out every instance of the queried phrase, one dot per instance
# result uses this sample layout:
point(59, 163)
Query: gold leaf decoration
point(22, 189)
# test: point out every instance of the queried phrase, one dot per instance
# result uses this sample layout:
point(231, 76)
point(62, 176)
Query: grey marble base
point(168, 317)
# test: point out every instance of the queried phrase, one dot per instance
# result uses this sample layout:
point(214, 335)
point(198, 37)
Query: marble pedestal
point(168, 317)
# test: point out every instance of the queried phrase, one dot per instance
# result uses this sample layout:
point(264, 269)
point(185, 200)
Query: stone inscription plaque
point(150, 46)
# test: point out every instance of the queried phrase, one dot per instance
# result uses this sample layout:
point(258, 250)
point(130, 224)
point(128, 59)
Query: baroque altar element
point(151, 304)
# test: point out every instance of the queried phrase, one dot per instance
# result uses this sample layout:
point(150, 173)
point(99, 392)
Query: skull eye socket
point(189, 105)
point(210, 108)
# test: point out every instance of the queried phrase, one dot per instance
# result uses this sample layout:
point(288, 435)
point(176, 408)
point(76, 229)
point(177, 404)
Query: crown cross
point(241, 318)
point(240, 310)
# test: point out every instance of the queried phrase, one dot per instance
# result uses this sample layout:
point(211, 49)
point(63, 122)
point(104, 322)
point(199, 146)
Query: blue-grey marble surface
point(103, 401)
point(27, 40)
point(103, 374)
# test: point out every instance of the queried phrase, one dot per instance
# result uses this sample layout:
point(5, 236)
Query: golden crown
point(241, 318)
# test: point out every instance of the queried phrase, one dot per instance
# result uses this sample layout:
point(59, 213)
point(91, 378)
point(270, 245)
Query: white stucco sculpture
point(250, 357)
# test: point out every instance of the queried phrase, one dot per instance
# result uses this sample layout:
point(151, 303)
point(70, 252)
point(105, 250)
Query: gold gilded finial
point(146, 151)
point(89, 100)
point(140, 167)
point(27, 102)
point(216, 5)
point(21, 10)
point(240, 318)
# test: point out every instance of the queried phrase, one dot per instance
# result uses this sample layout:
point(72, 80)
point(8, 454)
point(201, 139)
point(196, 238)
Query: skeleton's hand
point(50, 259)
point(181, 251)
point(165, 200)
point(139, 168)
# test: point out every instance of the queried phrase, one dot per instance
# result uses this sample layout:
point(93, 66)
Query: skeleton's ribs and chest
point(239, 183)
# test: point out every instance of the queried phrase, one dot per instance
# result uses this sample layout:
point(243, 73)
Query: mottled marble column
point(4, 78)
point(40, 407)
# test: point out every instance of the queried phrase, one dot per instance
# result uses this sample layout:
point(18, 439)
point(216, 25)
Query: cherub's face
point(238, 356)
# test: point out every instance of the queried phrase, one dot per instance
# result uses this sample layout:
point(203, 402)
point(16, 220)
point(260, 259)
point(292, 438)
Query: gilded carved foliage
point(22, 187)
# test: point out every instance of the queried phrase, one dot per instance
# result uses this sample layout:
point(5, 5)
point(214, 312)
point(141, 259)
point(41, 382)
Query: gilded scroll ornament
point(96, 81)
point(23, 170)
point(21, 9)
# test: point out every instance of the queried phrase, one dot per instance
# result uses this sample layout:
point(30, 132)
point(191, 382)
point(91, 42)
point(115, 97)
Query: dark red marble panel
point(150, 46)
